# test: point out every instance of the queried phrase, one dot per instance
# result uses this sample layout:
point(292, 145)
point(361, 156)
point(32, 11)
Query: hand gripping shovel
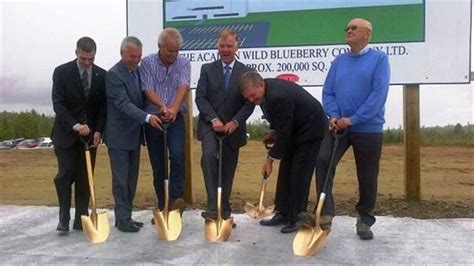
point(218, 230)
point(309, 239)
point(260, 211)
point(96, 225)
point(168, 223)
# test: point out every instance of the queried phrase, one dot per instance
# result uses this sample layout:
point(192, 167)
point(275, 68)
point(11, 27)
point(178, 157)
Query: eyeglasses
point(353, 28)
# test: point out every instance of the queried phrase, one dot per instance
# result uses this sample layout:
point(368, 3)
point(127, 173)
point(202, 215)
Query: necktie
point(85, 83)
point(227, 73)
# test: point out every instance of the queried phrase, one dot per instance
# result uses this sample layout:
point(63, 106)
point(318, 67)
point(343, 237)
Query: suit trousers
point(175, 143)
point(367, 149)
point(72, 169)
point(294, 179)
point(125, 165)
point(210, 164)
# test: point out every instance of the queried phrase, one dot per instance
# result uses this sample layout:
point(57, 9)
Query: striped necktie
point(85, 83)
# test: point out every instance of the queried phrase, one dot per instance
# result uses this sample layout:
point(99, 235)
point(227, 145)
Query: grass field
point(447, 185)
point(401, 23)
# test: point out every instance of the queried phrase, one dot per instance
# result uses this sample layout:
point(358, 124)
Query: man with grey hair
point(79, 103)
point(165, 80)
point(124, 130)
point(298, 123)
point(354, 96)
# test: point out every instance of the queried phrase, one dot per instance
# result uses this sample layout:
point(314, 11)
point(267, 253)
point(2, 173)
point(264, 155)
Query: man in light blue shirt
point(165, 78)
point(354, 96)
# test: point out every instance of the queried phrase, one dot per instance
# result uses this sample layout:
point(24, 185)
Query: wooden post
point(411, 140)
point(188, 150)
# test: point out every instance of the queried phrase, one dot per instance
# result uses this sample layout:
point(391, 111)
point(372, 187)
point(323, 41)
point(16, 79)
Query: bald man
point(354, 96)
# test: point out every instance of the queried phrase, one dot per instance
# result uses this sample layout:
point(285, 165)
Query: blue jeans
point(175, 143)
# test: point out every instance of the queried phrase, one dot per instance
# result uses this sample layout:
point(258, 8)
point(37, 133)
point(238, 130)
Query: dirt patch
point(447, 184)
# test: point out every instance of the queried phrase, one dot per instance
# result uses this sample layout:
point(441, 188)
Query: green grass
point(402, 23)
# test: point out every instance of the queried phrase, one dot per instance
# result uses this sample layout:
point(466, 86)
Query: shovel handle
point(90, 179)
point(262, 191)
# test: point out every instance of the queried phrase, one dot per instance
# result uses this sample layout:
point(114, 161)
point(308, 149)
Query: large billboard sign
point(427, 41)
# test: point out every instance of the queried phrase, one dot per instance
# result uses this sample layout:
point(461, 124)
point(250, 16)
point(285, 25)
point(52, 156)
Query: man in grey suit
point(124, 130)
point(222, 110)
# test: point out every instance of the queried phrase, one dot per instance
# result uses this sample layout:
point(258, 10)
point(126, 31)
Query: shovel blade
point(256, 213)
point(309, 240)
point(93, 234)
point(169, 228)
point(251, 210)
point(218, 231)
point(265, 211)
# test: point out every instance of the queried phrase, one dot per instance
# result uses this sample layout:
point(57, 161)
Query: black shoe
point(77, 225)
point(209, 215)
point(291, 227)
point(277, 219)
point(63, 227)
point(137, 223)
point(234, 225)
point(127, 226)
point(153, 221)
point(363, 230)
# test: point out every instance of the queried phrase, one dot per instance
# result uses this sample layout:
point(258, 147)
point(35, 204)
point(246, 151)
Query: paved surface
point(28, 236)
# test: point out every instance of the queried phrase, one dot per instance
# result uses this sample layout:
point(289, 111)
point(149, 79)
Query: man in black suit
point(124, 130)
point(297, 122)
point(79, 103)
point(222, 110)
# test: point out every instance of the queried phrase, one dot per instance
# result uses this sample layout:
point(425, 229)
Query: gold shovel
point(309, 239)
point(260, 211)
point(96, 225)
point(168, 223)
point(218, 230)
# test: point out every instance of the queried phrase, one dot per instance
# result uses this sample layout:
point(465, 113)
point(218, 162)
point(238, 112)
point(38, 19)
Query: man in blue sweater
point(354, 96)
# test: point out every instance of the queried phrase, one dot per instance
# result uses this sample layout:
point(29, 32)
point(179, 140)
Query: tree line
point(31, 124)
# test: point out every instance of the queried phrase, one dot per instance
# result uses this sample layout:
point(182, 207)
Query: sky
point(37, 36)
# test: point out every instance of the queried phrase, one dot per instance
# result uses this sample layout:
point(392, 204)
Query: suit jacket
point(295, 115)
point(214, 101)
point(72, 107)
point(125, 117)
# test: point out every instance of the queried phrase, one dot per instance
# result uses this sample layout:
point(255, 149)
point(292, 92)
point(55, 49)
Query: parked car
point(27, 144)
point(6, 144)
point(44, 142)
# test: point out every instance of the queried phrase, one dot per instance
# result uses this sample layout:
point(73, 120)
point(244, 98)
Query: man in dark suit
point(297, 122)
point(222, 110)
point(79, 103)
point(124, 130)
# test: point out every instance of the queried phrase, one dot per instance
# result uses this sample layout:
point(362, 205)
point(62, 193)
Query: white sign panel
point(428, 42)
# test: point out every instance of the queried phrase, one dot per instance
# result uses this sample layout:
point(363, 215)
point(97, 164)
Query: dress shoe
point(127, 226)
point(136, 223)
point(277, 219)
point(209, 215)
point(77, 225)
point(291, 227)
point(363, 230)
point(63, 227)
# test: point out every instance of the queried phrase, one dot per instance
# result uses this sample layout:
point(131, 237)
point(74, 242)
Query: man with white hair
point(354, 96)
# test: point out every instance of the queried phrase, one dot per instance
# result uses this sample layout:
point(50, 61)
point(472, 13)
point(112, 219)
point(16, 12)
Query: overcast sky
point(37, 36)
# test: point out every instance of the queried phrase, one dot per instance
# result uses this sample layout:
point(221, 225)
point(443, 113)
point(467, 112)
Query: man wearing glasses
point(354, 96)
